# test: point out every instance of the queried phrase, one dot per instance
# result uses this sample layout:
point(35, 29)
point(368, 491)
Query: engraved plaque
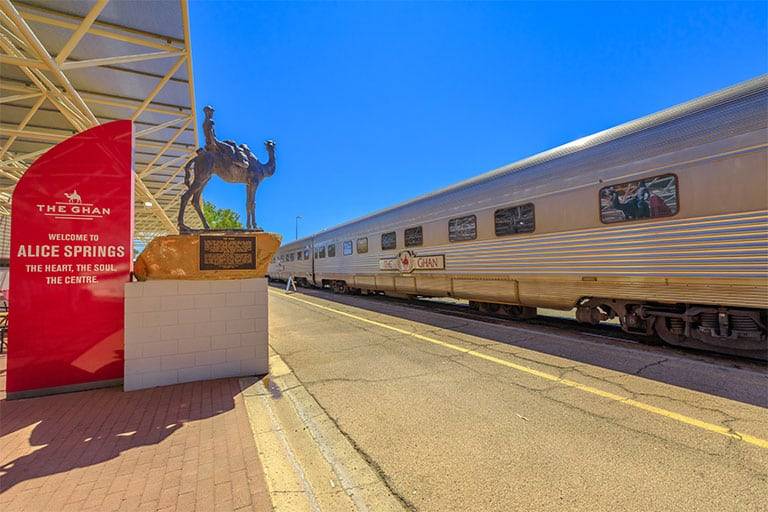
point(227, 252)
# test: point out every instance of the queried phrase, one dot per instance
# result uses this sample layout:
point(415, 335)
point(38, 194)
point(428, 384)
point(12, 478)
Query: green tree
point(221, 218)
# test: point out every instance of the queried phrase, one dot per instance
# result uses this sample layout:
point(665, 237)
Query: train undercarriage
point(726, 330)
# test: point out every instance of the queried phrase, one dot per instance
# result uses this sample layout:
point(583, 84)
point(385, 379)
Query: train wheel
point(671, 331)
point(521, 312)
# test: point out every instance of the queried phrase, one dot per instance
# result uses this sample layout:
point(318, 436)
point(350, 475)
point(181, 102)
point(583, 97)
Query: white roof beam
point(22, 124)
point(103, 99)
point(124, 59)
point(25, 156)
point(19, 97)
point(190, 74)
point(111, 31)
point(170, 183)
point(44, 85)
point(158, 87)
point(157, 127)
point(7, 7)
point(157, 210)
point(148, 169)
point(22, 61)
point(80, 31)
point(169, 163)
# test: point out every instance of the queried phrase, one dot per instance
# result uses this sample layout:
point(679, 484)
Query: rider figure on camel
point(239, 154)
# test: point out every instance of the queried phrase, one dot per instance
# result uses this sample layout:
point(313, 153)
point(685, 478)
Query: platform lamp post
point(297, 226)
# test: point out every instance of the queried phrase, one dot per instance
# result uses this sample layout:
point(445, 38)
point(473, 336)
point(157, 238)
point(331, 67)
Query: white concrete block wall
point(183, 331)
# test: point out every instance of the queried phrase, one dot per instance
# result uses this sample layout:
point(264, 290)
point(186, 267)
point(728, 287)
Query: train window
point(290, 257)
point(298, 255)
point(321, 252)
point(516, 219)
point(642, 199)
point(414, 237)
point(306, 254)
point(462, 228)
point(347, 248)
point(362, 245)
point(388, 241)
point(332, 250)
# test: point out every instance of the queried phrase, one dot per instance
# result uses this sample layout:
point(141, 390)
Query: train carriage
point(293, 259)
point(661, 222)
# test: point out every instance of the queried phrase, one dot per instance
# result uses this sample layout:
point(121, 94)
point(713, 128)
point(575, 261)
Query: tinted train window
point(414, 237)
point(298, 255)
point(362, 245)
point(347, 248)
point(516, 219)
point(332, 250)
point(462, 228)
point(388, 241)
point(641, 199)
point(321, 252)
point(290, 257)
point(306, 254)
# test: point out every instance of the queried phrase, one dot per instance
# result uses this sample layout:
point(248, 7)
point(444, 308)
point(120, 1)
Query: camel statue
point(225, 165)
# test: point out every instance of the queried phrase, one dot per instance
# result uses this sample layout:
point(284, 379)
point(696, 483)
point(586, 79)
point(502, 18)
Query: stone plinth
point(188, 330)
point(208, 255)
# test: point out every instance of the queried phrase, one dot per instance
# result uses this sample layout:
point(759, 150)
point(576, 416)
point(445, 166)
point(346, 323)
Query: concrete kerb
point(308, 462)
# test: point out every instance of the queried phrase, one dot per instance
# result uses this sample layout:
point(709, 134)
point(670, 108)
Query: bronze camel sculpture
point(221, 163)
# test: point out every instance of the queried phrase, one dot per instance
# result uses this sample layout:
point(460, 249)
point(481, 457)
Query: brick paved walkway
point(184, 447)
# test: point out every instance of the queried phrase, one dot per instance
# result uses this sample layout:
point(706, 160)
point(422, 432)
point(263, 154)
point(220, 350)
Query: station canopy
point(66, 66)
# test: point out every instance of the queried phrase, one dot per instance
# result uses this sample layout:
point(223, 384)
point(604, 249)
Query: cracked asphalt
point(447, 430)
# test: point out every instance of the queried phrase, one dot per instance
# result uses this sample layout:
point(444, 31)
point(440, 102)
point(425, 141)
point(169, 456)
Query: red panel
point(71, 243)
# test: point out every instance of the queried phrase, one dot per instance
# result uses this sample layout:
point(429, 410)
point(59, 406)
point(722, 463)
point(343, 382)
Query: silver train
point(661, 222)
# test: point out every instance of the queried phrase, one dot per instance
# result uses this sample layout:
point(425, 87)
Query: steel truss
point(44, 98)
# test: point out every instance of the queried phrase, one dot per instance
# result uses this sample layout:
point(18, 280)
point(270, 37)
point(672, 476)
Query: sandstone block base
point(185, 330)
point(178, 256)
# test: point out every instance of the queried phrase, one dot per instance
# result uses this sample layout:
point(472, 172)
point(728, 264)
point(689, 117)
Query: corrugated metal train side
point(662, 223)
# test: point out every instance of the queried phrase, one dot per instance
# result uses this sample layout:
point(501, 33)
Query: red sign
point(71, 240)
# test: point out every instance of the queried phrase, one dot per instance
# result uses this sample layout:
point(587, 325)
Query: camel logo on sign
point(407, 262)
point(74, 197)
point(73, 208)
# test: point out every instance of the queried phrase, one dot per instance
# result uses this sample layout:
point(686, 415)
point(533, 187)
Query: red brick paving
point(185, 447)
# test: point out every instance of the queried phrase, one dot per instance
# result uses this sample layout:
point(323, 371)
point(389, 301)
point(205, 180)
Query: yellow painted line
point(711, 427)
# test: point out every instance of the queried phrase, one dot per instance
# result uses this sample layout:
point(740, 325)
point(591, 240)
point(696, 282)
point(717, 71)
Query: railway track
point(605, 332)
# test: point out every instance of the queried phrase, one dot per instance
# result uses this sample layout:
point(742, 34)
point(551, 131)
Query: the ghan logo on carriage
point(407, 261)
point(73, 208)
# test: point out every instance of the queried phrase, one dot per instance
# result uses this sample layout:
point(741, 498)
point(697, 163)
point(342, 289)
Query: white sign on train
point(407, 262)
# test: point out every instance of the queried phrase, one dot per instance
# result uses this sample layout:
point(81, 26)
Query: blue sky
point(374, 103)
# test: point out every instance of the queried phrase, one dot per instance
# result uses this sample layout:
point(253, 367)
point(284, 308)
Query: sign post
point(71, 243)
